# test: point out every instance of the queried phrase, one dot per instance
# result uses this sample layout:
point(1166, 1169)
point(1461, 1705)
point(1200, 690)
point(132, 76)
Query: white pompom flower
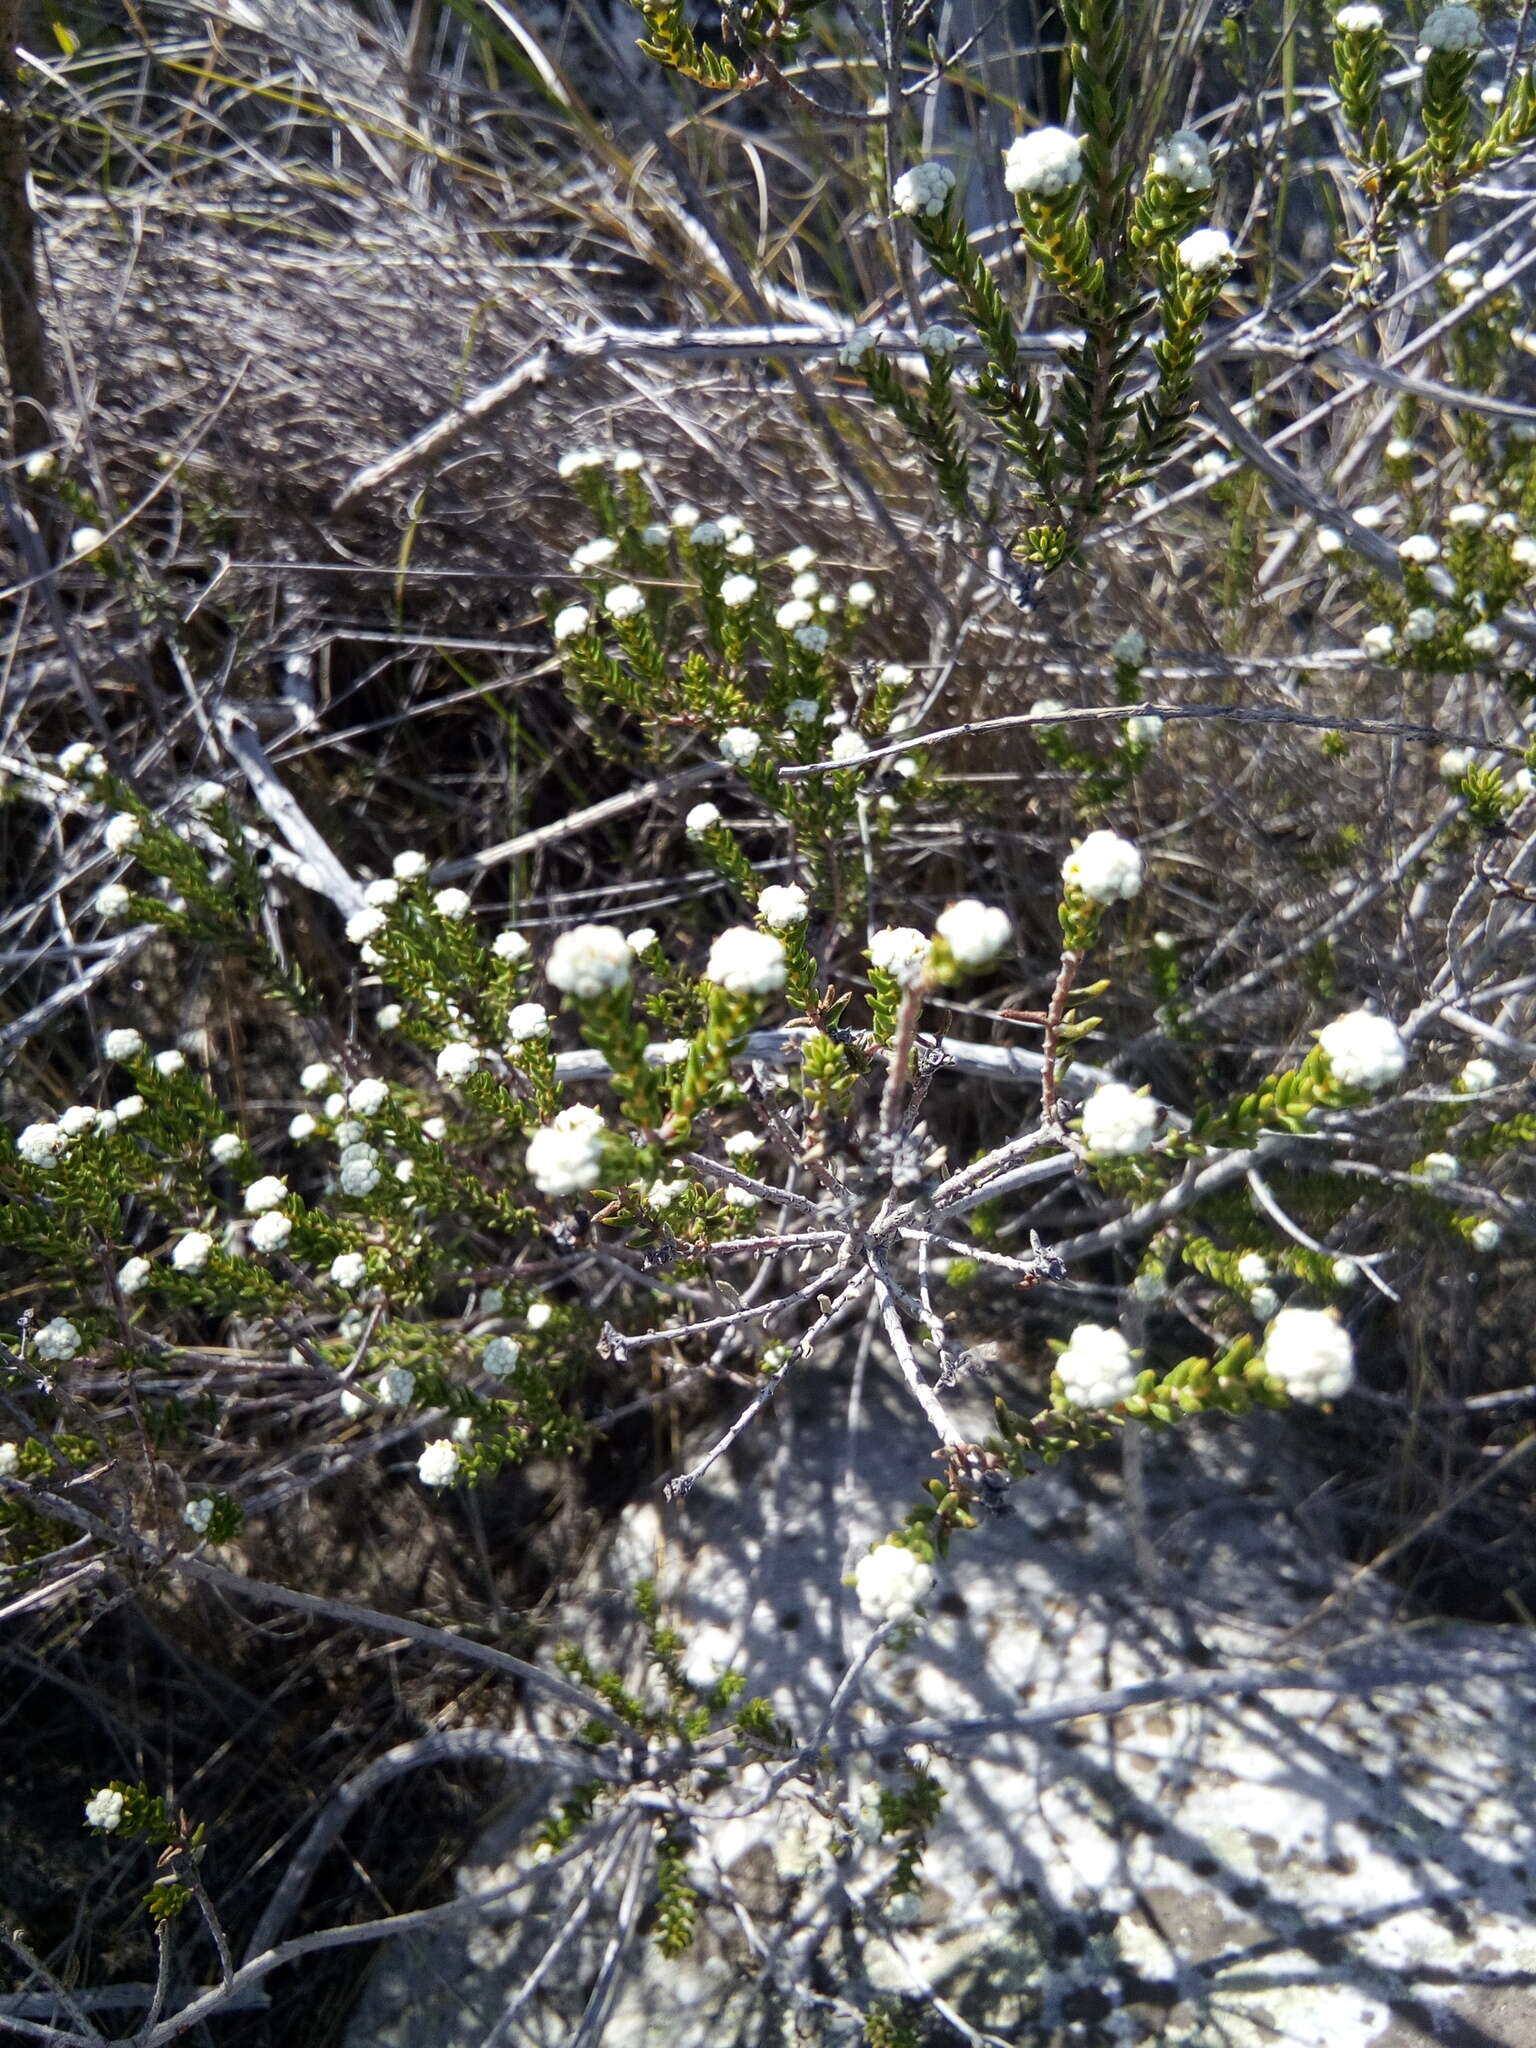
point(737, 591)
point(438, 1464)
point(526, 1022)
point(1477, 1077)
point(510, 946)
point(349, 1270)
point(1117, 1122)
point(624, 602)
point(1449, 30)
point(902, 952)
point(359, 1177)
point(1437, 1168)
point(1364, 1050)
point(1044, 163)
point(565, 1157)
point(500, 1356)
point(570, 622)
point(746, 962)
point(1206, 252)
point(56, 1341)
point(271, 1232)
point(457, 1061)
point(43, 1145)
point(409, 866)
point(451, 903)
point(975, 933)
point(739, 746)
point(923, 190)
point(1183, 160)
point(122, 1044)
point(1105, 868)
point(191, 1253)
point(1485, 1236)
point(105, 1809)
point(782, 906)
point(80, 762)
point(891, 1583)
point(368, 1096)
point(1359, 20)
point(1097, 1368)
point(1309, 1351)
point(590, 961)
point(133, 1275)
point(122, 832)
point(701, 819)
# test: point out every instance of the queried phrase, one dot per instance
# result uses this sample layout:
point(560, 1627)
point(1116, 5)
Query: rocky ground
point(1321, 1867)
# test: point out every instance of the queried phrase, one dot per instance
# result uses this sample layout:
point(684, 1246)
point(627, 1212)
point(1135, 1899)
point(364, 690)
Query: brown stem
point(22, 337)
point(1066, 975)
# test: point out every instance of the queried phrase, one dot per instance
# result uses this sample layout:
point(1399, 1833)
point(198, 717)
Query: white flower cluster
point(590, 961)
point(56, 1341)
point(1184, 161)
point(457, 1061)
point(566, 1157)
point(1096, 1370)
point(1206, 251)
point(923, 190)
point(271, 1232)
point(746, 962)
point(105, 1809)
point(1044, 163)
point(901, 951)
point(975, 933)
point(1364, 1050)
point(1310, 1352)
point(891, 1582)
point(1105, 868)
point(1450, 29)
point(43, 1145)
point(438, 1464)
point(500, 1356)
point(1117, 1122)
point(1360, 20)
point(782, 906)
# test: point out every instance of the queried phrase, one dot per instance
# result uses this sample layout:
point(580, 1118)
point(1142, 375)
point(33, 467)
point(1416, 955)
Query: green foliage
point(677, 1903)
